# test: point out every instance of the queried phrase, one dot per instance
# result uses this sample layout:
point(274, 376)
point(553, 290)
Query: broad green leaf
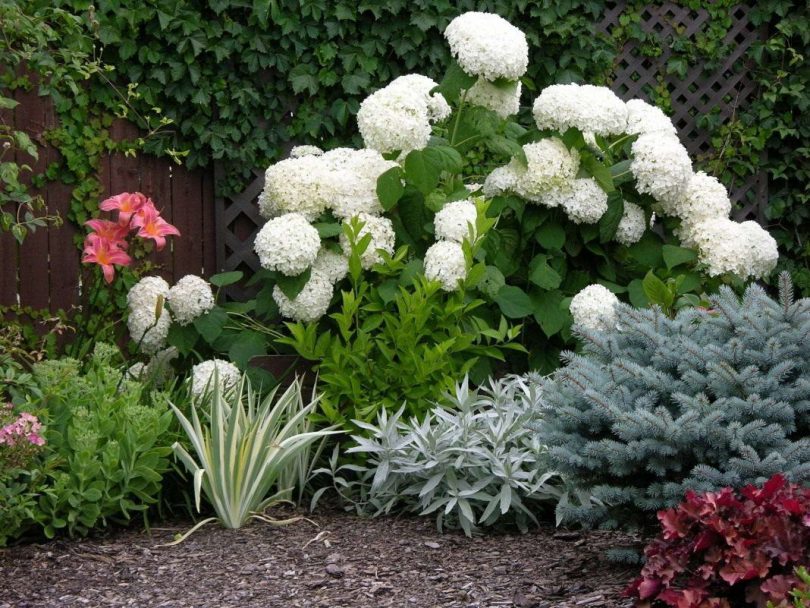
point(226, 278)
point(550, 235)
point(514, 302)
point(455, 79)
point(249, 344)
point(328, 229)
point(543, 275)
point(183, 337)
point(390, 187)
point(675, 256)
point(635, 290)
point(211, 324)
point(657, 291)
point(423, 170)
point(598, 171)
point(647, 251)
point(292, 286)
point(609, 222)
point(549, 312)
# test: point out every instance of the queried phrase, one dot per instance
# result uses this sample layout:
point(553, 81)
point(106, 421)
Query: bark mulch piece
point(344, 561)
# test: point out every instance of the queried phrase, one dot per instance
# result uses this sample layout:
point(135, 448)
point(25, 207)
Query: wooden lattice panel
point(722, 89)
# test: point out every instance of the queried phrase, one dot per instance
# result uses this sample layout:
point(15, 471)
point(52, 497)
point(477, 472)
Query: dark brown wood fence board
point(209, 233)
point(8, 246)
point(187, 202)
point(31, 116)
point(156, 184)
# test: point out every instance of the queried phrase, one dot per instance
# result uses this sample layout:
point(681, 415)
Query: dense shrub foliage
point(729, 549)
point(655, 406)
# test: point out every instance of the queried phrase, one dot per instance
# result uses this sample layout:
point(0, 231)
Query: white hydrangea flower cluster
point(595, 308)
point(584, 107)
point(399, 116)
point(487, 45)
point(382, 238)
point(632, 225)
point(313, 300)
point(288, 243)
point(504, 100)
point(228, 376)
point(643, 117)
point(299, 151)
point(146, 329)
point(725, 246)
point(454, 221)
point(445, 262)
point(190, 298)
point(583, 200)
point(354, 180)
point(662, 168)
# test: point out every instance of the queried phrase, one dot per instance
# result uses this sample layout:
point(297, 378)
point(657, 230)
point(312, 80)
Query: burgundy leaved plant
point(727, 549)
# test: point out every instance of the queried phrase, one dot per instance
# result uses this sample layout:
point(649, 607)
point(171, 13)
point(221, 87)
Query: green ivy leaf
point(514, 302)
point(292, 286)
point(675, 256)
point(390, 187)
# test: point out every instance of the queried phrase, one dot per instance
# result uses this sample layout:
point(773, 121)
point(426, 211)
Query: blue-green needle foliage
point(714, 397)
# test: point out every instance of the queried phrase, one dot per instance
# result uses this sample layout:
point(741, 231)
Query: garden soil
point(335, 560)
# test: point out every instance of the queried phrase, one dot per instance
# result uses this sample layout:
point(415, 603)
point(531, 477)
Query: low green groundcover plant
point(729, 549)
point(654, 406)
point(472, 465)
point(107, 442)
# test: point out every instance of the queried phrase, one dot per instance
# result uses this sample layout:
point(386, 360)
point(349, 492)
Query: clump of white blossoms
point(662, 168)
point(632, 225)
point(353, 180)
point(287, 243)
point(645, 118)
point(724, 246)
point(399, 116)
point(456, 221)
point(504, 100)
point(583, 201)
point(595, 308)
point(488, 45)
point(299, 151)
point(382, 239)
point(145, 300)
point(310, 304)
point(330, 265)
point(445, 262)
point(189, 298)
point(296, 185)
point(550, 164)
point(584, 107)
point(203, 374)
point(703, 198)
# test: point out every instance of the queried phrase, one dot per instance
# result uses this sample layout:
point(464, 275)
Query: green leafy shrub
point(474, 465)
point(246, 446)
point(108, 444)
point(655, 406)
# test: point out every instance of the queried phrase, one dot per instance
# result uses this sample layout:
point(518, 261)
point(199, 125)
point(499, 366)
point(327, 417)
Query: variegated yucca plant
point(245, 445)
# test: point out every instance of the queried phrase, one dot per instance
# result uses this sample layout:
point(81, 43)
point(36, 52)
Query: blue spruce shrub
point(657, 406)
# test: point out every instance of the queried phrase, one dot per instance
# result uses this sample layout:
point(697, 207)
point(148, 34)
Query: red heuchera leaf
point(720, 547)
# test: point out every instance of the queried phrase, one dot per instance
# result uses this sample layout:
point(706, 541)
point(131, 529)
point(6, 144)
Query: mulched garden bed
point(345, 561)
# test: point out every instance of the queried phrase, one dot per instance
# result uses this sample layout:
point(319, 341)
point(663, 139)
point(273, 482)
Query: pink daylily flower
point(152, 226)
point(111, 231)
point(105, 253)
point(126, 203)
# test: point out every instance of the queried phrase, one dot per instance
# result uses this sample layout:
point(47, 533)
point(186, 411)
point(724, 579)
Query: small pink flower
point(36, 439)
point(126, 203)
point(152, 226)
point(111, 231)
point(106, 254)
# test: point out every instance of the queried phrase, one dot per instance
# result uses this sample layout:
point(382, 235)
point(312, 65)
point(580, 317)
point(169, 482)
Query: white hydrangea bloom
point(288, 244)
point(584, 107)
point(330, 265)
point(453, 221)
point(159, 369)
point(583, 201)
point(595, 308)
point(643, 117)
point(662, 168)
point(488, 45)
point(137, 371)
point(399, 116)
point(703, 198)
point(299, 151)
point(473, 188)
point(382, 238)
point(445, 262)
point(296, 185)
point(310, 304)
point(503, 100)
point(202, 376)
point(353, 181)
point(632, 225)
point(724, 246)
point(190, 298)
point(550, 165)
point(145, 329)
point(502, 179)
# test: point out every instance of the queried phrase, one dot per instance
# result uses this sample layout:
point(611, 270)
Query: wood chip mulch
point(343, 561)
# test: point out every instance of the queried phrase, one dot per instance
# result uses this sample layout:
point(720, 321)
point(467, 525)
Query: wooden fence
point(218, 234)
point(43, 273)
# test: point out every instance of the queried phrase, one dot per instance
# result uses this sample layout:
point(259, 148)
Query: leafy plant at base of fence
point(106, 449)
point(659, 406)
point(398, 337)
point(473, 464)
point(800, 594)
point(728, 549)
point(245, 448)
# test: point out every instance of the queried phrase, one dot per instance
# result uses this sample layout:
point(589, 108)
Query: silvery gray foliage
point(472, 465)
